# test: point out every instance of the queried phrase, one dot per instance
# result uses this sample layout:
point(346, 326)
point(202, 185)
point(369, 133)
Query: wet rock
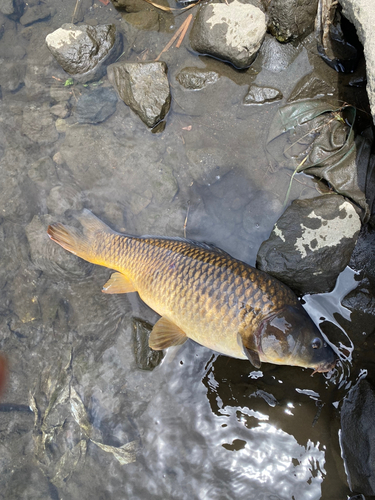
point(59, 93)
point(38, 124)
point(310, 86)
point(311, 243)
point(262, 95)
point(144, 20)
point(61, 199)
point(37, 13)
point(361, 14)
point(145, 357)
point(61, 110)
point(291, 19)
point(12, 8)
point(196, 79)
point(357, 437)
point(96, 106)
point(51, 258)
point(85, 51)
point(276, 56)
point(144, 88)
point(43, 171)
point(231, 32)
point(12, 76)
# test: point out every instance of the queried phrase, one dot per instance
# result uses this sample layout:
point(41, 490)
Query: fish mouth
point(325, 367)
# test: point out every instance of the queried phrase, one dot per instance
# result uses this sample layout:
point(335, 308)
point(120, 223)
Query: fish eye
point(317, 343)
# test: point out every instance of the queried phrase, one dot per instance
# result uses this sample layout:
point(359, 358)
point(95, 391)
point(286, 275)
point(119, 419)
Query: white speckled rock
point(311, 243)
point(233, 32)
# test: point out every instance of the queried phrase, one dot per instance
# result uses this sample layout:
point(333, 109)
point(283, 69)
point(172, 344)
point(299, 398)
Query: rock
point(261, 95)
point(61, 199)
point(96, 106)
point(196, 78)
point(12, 76)
point(361, 13)
point(144, 88)
point(291, 19)
point(130, 5)
point(43, 171)
point(357, 438)
point(310, 86)
point(276, 56)
point(60, 110)
point(311, 243)
point(39, 12)
point(233, 32)
point(38, 124)
point(144, 20)
point(85, 51)
point(145, 357)
point(59, 93)
point(12, 8)
point(48, 257)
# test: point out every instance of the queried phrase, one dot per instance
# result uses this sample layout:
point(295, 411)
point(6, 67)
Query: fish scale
point(202, 293)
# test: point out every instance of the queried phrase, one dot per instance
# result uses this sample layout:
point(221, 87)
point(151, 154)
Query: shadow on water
point(199, 425)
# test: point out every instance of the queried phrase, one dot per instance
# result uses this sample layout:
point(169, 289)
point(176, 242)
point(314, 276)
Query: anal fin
point(166, 334)
point(118, 283)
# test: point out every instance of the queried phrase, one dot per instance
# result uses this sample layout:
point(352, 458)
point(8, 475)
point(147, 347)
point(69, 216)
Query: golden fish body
point(202, 293)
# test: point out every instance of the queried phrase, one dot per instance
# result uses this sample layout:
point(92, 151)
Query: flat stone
point(60, 110)
point(144, 87)
point(38, 124)
point(262, 95)
point(84, 51)
point(196, 78)
point(232, 32)
point(311, 243)
point(37, 13)
point(309, 87)
point(96, 106)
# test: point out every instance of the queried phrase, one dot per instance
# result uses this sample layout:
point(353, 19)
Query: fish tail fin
point(87, 244)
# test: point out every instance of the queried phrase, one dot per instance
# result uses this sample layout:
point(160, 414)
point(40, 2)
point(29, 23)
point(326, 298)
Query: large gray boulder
point(291, 19)
point(85, 51)
point(232, 32)
point(362, 14)
point(144, 87)
point(311, 243)
point(357, 437)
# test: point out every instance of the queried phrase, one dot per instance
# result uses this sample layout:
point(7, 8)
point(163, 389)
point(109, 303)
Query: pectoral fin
point(165, 334)
point(251, 354)
point(118, 283)
point(253, 357)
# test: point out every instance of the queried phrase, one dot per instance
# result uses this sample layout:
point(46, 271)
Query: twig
point(174, 37)
point(186, 218)
point(75, 10)
point(186, 25)
point(170, 9)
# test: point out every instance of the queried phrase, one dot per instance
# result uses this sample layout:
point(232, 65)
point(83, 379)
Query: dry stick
point(75, 10)
point(171, 41)
point(186, 25)
point(186, 218)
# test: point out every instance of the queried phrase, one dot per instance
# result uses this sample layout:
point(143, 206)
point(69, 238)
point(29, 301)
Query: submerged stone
point(262, 95)
point(309, 87)
point(144, 87)
point(196, 78)
point(311, 243)
point(96, 106)
point(232, 32)
point(37, 13)
point(84, 51)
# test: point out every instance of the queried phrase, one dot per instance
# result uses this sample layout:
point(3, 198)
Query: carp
point(204, 294)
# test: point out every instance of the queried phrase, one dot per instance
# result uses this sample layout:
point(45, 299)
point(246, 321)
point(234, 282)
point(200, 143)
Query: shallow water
point(199, 425)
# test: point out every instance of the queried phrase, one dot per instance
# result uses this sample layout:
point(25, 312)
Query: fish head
point(290, 337)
